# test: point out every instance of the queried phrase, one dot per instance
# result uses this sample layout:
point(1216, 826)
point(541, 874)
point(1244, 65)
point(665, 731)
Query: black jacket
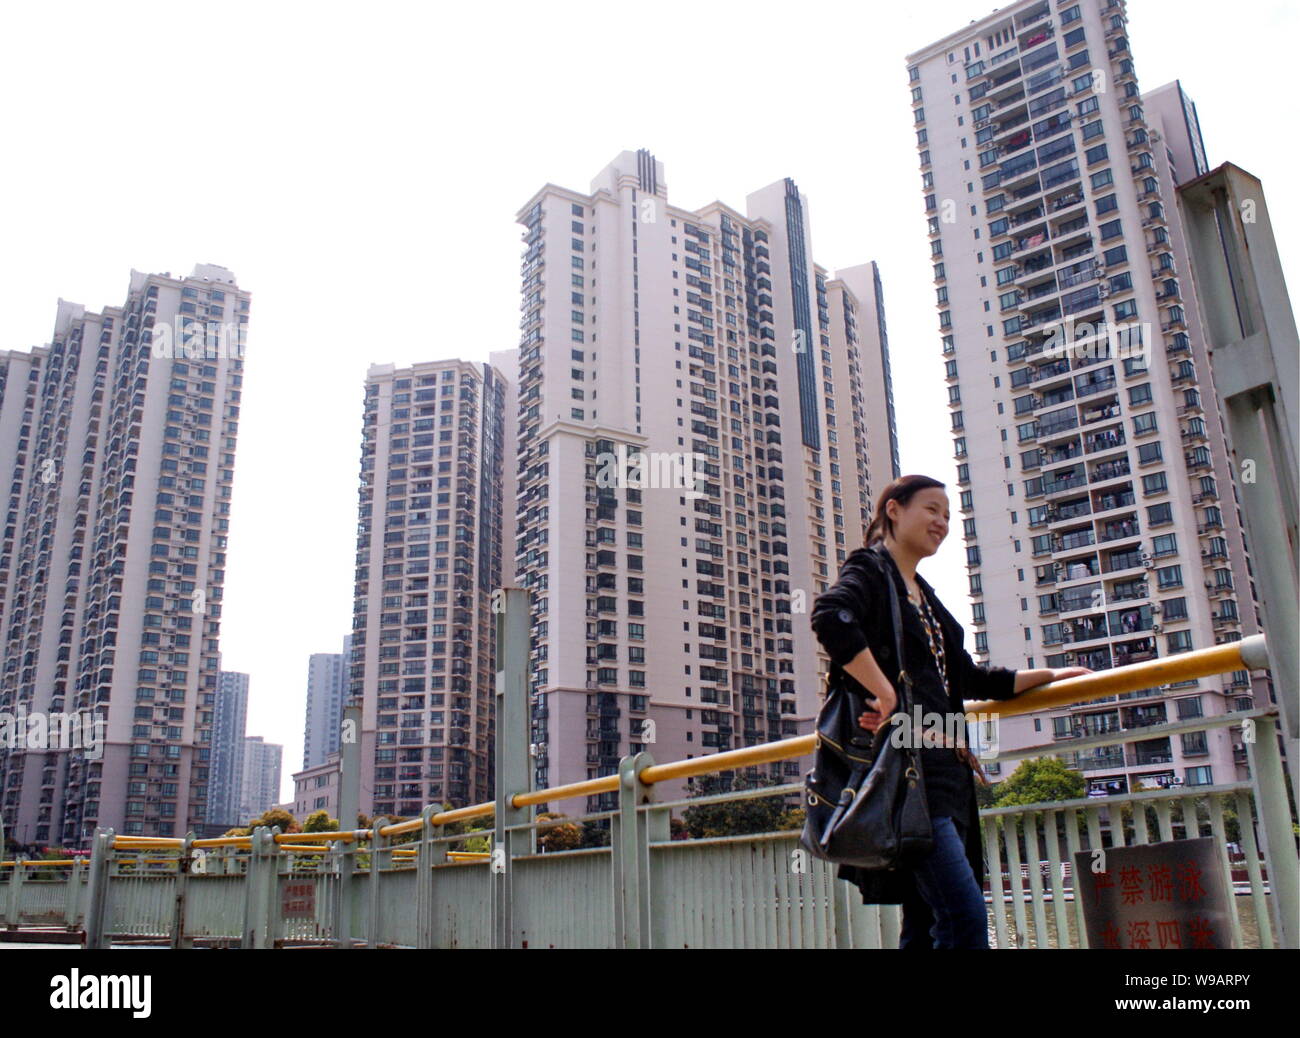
point(853, 614)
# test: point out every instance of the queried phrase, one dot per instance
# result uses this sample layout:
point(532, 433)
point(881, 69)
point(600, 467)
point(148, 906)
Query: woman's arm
point(841, 616)
point(1027, 679)
point(864, 669)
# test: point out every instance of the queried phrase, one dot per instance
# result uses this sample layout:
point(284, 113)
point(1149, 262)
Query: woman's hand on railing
point(1062, 673)
point(1028, 680)
point(873, 718)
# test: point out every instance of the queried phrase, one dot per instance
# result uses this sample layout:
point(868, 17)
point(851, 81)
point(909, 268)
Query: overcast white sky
point(358, 167)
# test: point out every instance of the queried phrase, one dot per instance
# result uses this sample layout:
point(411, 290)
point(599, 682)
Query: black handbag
point(864, 798)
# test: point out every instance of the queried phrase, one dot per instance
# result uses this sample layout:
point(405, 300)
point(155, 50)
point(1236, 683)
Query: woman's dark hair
point(901, 490)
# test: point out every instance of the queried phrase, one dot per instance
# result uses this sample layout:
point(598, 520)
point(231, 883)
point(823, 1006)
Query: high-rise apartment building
point(118, 441)
point(259, 789)
point(1096, 494)
point(668, 592)
point(226, 768)
point(327, 688)
point(428, 560)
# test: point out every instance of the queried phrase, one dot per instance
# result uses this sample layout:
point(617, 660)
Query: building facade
point(428, 560)
point(129, 414)
point(317, 789)
point(259, 791)
point(327, 688)
point(229, 729)
point(670, 596)
point(1097, 498)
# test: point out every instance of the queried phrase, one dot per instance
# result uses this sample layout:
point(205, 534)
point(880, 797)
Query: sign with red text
point(298, 900)
point(1158, 896)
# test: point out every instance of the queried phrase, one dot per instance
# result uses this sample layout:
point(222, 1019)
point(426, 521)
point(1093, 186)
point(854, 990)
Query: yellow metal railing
point(1247, 654)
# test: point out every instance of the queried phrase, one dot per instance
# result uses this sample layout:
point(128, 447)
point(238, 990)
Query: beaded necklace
point(932, 636)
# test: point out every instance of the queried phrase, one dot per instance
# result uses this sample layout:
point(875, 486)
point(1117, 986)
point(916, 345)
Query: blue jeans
point(949, 911)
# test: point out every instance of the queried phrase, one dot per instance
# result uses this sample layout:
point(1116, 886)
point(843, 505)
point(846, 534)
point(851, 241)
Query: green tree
point(736, 817)
point(792, 819)
point(1041, 780)
point(275, 816)
point(482, 825)
point(320, 822)
point(563, 836)
point(986, 796)
point(594, 834)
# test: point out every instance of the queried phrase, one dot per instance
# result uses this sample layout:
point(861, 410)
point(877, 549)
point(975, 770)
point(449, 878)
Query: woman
point(942, 893)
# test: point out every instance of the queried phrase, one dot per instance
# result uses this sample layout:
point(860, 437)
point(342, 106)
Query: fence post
point(427, 855)
point(344, 856)
point(376, 842)
point(630, 855)
point(97, 887)
point(182, 873)
point(1274, 811)
point(73, 898)
point(255, 889)
point(16, 877)
point(512, 761)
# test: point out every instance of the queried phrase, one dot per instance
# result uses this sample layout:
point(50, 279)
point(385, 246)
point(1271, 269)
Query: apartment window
point(1103, 179)
point(1107, 204)
point(1165, 544)
point(1159, 515)
point(1179, 641)
point(1199, 776)
point(1174, 609)
point(1144, 423)
point(1139, 394)
point(1113, 229)
point(1156, 483)
point(1149, 453)
point(1169, 577)
point(1115, 256)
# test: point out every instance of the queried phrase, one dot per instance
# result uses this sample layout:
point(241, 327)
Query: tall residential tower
point(1097, 497)
point(229, 729)
point(669, 592)
point(428, 559)
point(118, 440)
point(327, 688)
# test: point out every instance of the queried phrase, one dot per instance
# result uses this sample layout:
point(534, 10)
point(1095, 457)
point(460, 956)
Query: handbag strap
point(903, 678)
point(903, 687)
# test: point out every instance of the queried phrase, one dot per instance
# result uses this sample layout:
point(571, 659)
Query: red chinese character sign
point(1157, 896)
point(298, 900)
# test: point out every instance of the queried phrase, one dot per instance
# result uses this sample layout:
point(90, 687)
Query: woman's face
point(921, 525)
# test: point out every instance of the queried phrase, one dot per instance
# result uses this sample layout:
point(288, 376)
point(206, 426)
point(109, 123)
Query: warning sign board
point(1157, 896)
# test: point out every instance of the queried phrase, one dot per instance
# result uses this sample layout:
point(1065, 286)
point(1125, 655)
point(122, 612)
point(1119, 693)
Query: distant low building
point(317, 789)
